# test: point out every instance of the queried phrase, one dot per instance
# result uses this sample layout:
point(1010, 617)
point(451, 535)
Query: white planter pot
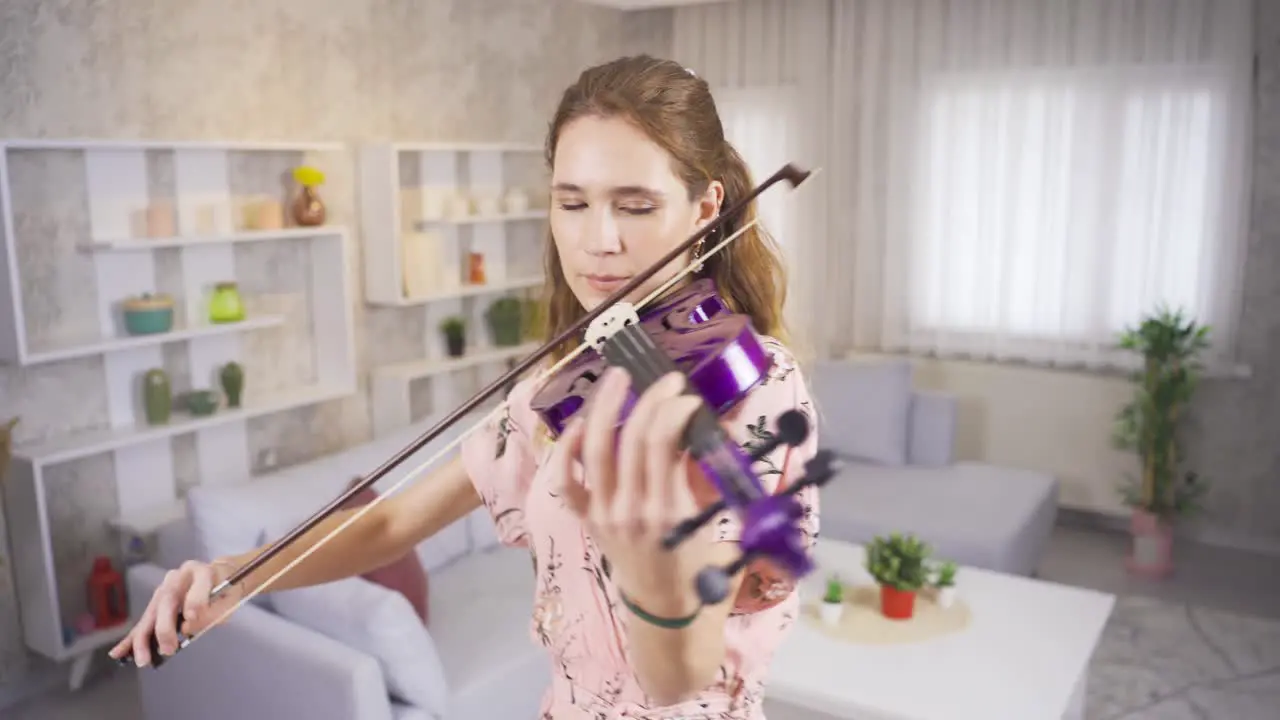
point(946, 596)
point(831, 612)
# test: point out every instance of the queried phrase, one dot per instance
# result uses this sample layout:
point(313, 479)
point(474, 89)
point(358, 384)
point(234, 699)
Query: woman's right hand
point(184, 590)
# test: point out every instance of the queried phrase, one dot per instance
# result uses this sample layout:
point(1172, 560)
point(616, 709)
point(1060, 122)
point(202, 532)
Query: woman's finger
point(567, 450)
point(626, 510)
point(196, 602)
point(166, 613)
point(600, 434)
point(664, 459)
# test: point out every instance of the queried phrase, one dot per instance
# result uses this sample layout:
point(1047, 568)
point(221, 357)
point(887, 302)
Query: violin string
point(362, 511)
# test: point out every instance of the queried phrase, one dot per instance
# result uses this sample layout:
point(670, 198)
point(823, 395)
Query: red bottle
point(107, 601)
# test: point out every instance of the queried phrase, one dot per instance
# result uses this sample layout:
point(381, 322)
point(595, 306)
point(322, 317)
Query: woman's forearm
point(382, 534)
point(672, 664)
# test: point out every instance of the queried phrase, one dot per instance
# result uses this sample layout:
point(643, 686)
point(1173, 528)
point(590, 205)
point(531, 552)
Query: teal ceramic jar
point(148, 314)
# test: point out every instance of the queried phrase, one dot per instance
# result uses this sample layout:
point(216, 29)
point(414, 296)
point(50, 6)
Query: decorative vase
point(831, 612)
point(897, 604)
point(475, 269)
point(148, 314)
point(1152, 555)
point(308, 209)
point(946, 596)
point(226, 306)
point(232, 377)
point(201, 402)
point(157, 396)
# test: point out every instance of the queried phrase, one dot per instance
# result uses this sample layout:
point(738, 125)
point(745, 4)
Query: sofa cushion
point(864, 408)
point(405, 574)
point(380, 623)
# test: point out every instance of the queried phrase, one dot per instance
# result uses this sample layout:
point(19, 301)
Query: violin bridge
point(610, 322)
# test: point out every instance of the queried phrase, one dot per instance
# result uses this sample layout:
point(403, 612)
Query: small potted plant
point(455, 335)
point(944, 582)
point(899, 564)
point(833, 601)
point(504, 318)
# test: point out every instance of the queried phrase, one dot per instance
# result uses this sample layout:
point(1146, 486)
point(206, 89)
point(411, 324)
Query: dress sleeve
point(752, 424)
point(499, 457)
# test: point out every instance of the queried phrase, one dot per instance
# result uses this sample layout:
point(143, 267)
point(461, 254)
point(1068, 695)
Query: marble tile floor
point(1203, 645)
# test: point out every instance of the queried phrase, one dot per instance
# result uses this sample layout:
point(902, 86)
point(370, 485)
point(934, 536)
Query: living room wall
point(343, 70)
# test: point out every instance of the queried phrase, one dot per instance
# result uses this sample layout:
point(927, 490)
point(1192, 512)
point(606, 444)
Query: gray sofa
point(902, 475)
point(349, 650)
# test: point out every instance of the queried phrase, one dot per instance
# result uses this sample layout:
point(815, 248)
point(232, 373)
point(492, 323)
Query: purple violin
point(690, 330)
point(694, 332)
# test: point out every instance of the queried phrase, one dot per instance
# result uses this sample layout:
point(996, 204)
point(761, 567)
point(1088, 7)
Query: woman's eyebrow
point(620, 191)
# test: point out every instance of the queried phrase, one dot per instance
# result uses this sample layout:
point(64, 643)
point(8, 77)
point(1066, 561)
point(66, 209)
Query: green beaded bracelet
point(667, 623)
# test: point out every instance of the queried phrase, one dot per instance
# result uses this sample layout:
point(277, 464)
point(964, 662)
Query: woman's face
point(617, 207)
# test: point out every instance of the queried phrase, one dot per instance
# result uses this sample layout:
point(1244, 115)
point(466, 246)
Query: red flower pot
point(897, 604)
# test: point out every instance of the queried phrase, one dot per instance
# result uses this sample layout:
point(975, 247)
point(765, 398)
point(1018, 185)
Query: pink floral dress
point(577, 616)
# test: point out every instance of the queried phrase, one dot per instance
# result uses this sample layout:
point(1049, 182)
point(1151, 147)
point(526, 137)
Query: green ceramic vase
point(157, 396)
point(226, 306)
point(232, 377)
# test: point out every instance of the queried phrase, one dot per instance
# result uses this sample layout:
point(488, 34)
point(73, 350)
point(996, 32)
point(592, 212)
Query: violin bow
point(789, 173)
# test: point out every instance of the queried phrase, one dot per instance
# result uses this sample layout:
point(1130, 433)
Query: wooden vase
point(308, 209)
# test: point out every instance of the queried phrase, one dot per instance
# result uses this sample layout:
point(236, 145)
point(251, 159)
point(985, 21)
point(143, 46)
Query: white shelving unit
point(425, 208)
point(206, 236)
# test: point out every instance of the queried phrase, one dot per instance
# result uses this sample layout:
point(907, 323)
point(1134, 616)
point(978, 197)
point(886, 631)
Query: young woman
point(639, 162)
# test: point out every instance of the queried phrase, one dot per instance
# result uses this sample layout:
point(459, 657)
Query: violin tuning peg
point(793, 427)
point(713, 582)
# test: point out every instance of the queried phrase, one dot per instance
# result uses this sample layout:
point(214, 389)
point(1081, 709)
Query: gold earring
point(697, 253)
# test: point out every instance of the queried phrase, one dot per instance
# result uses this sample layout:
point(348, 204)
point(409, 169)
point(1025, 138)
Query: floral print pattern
point(576, 610)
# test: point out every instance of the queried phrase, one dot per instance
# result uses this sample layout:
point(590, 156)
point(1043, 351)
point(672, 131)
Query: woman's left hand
point(637, 488)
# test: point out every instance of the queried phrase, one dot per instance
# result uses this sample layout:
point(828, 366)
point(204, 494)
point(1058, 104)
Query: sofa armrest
point(257, 664)
point(931, 442)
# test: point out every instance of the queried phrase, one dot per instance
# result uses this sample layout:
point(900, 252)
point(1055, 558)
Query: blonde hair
point(675, 109)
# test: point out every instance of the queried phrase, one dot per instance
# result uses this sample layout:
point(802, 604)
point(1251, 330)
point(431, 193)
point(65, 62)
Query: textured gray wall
point(347, 70)
point(1233, 440)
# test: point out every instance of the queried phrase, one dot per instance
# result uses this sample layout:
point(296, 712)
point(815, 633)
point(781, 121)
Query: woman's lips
point(606, 283)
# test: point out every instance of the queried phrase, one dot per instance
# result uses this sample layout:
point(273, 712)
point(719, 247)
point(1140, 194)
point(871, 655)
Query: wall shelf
point(88, 347)
point(96, 239)
point(247, 236)
point(426, 209)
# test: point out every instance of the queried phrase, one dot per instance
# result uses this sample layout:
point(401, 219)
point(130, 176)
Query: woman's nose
point(603, 237)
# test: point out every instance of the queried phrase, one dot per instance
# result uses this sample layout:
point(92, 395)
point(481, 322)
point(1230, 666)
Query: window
point(757, 121)
point(1057, 208)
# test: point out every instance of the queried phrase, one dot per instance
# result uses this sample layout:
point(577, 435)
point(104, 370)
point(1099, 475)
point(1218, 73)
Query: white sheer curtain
point(1028, 177)
point(758, 121)
point(769, 78)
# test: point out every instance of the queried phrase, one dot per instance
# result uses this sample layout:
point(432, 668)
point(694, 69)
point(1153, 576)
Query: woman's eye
point(638, 210)
point(572, 206)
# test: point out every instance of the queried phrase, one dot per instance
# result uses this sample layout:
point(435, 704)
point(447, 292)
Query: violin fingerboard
point(631, 348)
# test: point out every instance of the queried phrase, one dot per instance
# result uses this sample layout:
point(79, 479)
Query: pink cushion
point(405, 574)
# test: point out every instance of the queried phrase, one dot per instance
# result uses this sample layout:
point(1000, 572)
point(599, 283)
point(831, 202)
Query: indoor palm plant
point(1169, 345)
point(899, 563)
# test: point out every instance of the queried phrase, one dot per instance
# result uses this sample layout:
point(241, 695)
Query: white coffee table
point(1023, 656)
